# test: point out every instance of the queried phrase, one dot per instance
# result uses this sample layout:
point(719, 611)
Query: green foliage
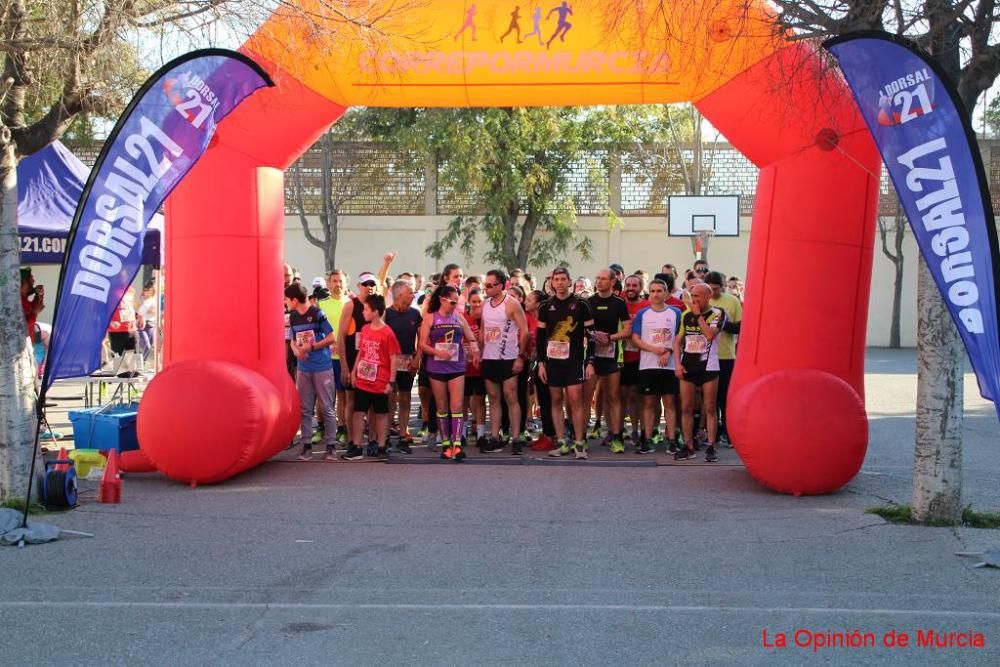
point(992, 118)
point(508, 170)
point(970, 518)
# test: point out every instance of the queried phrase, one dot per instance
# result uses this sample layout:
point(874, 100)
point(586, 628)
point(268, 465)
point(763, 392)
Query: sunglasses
point(369, 283)
point(489, 285)
point(453, 302)
point(701, 270)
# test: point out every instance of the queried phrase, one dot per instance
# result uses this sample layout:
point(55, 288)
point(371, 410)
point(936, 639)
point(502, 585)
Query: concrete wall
point(638, 243)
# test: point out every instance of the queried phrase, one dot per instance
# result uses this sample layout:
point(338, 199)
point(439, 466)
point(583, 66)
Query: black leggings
point(544, 405)
point(522, 400)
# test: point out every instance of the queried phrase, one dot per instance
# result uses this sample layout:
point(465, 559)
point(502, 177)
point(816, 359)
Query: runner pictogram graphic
point(470, 23)
point(515, 16)
point(536, 21)
point(563, 26)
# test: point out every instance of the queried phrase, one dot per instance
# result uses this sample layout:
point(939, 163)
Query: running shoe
point(594, 432)
point(372, 450)
point(580, 450)
point(306, 455)
point(481, 442)
point(457, 454)
point(563, 449)
point(543, 444)
point(353, 453)
point(422, 433)
point(657, 438)
point(317, 436)
point(381, 453)
point(701, 439)
point(710, 455)
point(331, 454)
point(606, 440)
point(404, 445)
point(492, 446)
point(684, 454)
point(447, 451)
point(341, 434)
point(617, 446)
point(646, 447)
point(673, 446)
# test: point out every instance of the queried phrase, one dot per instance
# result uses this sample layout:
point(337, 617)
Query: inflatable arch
point(224, 402)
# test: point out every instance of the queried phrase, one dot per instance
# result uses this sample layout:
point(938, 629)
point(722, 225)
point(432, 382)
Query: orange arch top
point(529, 53)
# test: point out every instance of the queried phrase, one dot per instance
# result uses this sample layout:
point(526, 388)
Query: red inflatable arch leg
point(796, 407)
point(225, 250)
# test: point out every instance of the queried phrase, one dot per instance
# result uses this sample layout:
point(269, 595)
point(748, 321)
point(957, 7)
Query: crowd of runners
point(507, 362)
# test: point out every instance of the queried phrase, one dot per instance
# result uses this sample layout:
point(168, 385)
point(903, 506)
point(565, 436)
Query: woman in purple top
point(441, 336)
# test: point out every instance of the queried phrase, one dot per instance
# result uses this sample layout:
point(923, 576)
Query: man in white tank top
point(503, 340)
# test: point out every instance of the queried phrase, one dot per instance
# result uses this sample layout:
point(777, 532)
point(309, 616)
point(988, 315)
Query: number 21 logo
point(904, 106)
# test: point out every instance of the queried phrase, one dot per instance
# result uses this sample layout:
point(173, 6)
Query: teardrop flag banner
point(162, 133)
point(929, 148)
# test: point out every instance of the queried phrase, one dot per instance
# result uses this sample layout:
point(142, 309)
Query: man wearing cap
point(32, 299)
point(352, 319)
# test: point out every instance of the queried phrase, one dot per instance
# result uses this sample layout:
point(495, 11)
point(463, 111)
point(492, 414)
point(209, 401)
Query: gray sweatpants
point(313, 385)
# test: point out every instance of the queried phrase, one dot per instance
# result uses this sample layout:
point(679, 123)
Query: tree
point(898, 230)
point(671, 151)
point(339, 170)
point(510, 173)
point(959, 35)
point(67, 58)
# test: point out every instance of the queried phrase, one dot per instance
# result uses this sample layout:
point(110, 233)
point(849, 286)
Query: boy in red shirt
point(373, 379)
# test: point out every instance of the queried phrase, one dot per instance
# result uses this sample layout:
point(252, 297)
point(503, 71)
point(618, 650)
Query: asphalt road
point(340, 563)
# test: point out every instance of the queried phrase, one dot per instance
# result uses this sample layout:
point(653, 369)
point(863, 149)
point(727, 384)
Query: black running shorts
point(658, 382)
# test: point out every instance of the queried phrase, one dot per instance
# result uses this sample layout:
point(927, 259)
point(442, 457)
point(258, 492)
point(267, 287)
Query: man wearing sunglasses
point(504, 341)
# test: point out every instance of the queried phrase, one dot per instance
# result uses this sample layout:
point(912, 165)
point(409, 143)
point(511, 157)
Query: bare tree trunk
point(330, 249)
point(17, 388)
point(937, 466)
point(897, 285)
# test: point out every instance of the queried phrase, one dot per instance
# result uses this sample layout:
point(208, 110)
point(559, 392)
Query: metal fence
point(370, 178)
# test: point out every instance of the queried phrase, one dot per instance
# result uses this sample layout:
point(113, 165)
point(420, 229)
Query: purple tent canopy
point(49, 185)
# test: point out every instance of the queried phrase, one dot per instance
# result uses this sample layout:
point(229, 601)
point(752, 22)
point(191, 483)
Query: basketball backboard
point(689, 215)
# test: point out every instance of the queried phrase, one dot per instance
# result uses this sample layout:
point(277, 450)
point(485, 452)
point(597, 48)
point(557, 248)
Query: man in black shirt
point(564, 360)
point(612, 324)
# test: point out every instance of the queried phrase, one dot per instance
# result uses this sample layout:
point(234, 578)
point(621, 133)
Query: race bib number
point(288, 325)
point(367, 370)
point(695, 344)
point(630, 346)
point(492, 334)
point(403, 361)
point(558, 349)
point(450, 348)
point(304, 338)
point(660, 337)
point(605, 351)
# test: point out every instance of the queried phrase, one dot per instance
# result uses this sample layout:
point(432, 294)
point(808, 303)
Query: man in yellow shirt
point(727, 341)
point(332, 308)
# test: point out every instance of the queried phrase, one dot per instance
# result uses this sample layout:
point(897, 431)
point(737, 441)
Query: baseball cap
point(367, 276)
point(319, 281)
point(617, 268)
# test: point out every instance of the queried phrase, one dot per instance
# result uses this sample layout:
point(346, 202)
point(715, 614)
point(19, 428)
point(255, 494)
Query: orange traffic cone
point(62, 456)
point(110, 488)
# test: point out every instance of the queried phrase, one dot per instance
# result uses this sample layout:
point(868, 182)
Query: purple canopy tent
point(49, 185)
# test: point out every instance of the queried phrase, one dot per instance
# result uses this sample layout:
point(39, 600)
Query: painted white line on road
point(320, 606)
